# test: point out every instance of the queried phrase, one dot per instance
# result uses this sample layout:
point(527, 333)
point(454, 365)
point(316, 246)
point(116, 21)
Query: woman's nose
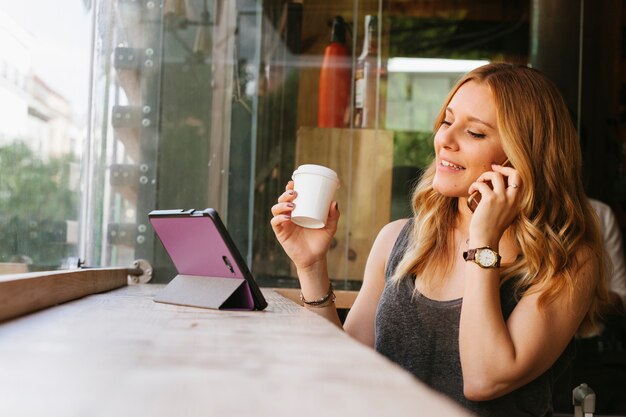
point(446, 137)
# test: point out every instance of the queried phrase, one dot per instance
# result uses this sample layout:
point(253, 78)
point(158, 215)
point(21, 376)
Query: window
point(199, 104)
point(213, 104)
point(43, 101)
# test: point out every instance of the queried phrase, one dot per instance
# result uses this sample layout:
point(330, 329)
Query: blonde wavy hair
point(556, 224)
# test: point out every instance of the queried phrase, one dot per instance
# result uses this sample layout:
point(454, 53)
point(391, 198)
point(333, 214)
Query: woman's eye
point(445, 122)
point(476, 135)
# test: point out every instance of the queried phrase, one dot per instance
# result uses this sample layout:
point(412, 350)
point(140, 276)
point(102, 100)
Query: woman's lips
point(447, 164)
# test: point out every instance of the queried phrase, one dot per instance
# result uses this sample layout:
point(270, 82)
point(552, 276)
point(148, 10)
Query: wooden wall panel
point(363, 159)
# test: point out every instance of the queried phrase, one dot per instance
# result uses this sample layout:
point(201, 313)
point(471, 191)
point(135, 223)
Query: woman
point(482, 306)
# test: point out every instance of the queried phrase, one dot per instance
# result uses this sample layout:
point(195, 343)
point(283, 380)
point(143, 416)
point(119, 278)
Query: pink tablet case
point(208, 274)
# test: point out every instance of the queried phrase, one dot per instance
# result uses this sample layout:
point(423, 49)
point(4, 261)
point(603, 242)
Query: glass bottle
point(365, 93)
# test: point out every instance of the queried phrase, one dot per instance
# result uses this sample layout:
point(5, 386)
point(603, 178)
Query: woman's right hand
point(305, 247)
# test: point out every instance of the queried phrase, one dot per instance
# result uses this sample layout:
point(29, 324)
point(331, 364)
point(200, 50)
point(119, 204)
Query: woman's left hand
point(499, 204)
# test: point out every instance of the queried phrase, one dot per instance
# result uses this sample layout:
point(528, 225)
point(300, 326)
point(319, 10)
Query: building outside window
point(43, 102)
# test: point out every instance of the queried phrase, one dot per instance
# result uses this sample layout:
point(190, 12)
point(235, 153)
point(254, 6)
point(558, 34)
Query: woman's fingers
point(502, 184)
point(513, 179)
point(513, 186)
point(288, 195)
point(482, 187)
point(282, 208)
point(279, 220)
point(285, 201)
point(333, 216)
point(482, 183)
point(500, 180)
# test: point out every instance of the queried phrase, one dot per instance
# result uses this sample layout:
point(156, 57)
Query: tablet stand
point(207, 292)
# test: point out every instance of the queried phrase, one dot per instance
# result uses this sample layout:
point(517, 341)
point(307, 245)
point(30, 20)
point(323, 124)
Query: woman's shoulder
point(387, 238)
point(583, 259)
point(390, 232)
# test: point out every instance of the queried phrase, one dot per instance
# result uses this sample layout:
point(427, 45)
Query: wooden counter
point(121, 354)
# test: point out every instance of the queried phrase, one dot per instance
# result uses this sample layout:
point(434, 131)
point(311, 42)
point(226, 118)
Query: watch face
point(486, 257)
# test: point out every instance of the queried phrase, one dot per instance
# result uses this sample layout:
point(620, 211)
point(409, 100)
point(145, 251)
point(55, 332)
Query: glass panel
point(312, 54)
point(404, 58)
point(174, 106)
point(430, 48)
point(215, 103)
point(124, 135)
point(44, 71)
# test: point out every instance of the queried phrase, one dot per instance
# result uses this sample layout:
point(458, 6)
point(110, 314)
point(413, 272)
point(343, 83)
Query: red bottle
point(335, 79)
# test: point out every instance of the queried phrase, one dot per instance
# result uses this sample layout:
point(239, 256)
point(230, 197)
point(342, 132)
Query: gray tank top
point(422, 335)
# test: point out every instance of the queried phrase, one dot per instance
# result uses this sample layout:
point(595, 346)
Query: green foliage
point(413, 149)
point(455, 36)
point(35, 202)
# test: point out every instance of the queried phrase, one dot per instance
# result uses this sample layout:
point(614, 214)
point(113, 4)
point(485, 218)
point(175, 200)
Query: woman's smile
point(453, 166)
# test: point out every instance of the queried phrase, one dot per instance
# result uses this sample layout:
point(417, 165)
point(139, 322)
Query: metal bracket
point(140, 272)
point(584, 401)
point(122, 234)
point(127, 58)
point(124, 175)
point(126, 116)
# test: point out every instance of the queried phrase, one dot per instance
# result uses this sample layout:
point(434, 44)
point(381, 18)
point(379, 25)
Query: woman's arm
point(314, 284)
point(307, 248)
point(497, 356)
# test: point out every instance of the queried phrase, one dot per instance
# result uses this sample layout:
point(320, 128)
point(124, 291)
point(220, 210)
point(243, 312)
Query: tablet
point(211, 271)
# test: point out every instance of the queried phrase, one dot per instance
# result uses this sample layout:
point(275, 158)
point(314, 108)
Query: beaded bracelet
point(322, 302)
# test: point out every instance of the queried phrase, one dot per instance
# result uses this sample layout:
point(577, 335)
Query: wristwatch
point(485, 257)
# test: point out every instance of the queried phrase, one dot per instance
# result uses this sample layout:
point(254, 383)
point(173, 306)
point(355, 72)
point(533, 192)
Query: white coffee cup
point(315, 186)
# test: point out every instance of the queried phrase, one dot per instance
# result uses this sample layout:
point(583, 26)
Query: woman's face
point(467, 142)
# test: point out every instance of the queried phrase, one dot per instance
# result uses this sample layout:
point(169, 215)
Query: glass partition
point(402, 60)
point(211, 103)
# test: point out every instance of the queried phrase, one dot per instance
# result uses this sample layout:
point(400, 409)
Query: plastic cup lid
point(316, 169)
